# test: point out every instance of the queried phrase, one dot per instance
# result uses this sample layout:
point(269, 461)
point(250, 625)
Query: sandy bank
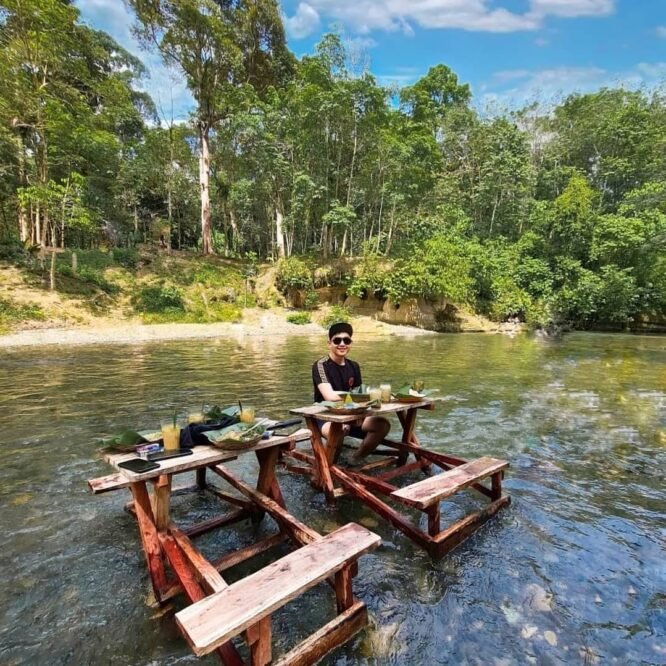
point(254, 324)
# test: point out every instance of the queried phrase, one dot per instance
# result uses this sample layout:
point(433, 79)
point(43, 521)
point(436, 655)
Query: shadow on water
point(572, 572)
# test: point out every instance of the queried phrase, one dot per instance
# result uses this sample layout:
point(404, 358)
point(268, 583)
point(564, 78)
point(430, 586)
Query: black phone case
point(138, 466)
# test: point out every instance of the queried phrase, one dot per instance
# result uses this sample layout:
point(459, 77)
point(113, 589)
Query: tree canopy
point(559, 215)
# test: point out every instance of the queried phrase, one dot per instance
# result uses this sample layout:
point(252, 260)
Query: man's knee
point(377, 424)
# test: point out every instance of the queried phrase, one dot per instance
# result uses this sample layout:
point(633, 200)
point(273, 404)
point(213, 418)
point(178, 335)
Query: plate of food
point(410, 394)
point(346, 408)
point(237, 436)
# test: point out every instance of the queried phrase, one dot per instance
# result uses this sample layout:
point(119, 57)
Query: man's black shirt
point(341, 377)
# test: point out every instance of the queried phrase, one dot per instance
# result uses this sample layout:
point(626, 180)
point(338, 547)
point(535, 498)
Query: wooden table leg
point(162, 501)
point(267, 483)
point(408, 422)
point(149, 538)
point(322, 472)
point(202, 484)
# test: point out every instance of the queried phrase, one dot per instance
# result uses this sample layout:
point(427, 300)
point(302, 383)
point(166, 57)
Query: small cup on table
point(247, 414)
point(386, 392)
point(375, 396)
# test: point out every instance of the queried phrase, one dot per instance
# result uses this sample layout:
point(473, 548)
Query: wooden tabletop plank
point(321, 412)
point(216, 619)
point(104, 484)
point(203, 455)
point(435, 488)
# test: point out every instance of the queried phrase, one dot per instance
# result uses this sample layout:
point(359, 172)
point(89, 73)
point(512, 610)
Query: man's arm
point(321, 381)
point(327, 391)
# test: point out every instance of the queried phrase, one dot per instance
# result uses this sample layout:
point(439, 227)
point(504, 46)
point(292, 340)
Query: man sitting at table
point(336, 372)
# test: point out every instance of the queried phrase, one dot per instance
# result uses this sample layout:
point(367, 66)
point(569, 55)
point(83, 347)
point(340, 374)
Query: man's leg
point(375, 429)
point(325, 431)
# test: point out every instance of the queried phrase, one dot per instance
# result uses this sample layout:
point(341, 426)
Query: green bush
point(127, 257)
point(299, 318)
point(201, 312)
point(12, 313)
point(159, 299)
point(509, 299)
point(336, 314)
point(90, 276)
point(12, 250)
point(293, 273)
point(438, 269)
point(369, 279)
point(311, 300)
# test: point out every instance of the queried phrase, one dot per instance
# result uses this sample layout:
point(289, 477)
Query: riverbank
point(255, 323)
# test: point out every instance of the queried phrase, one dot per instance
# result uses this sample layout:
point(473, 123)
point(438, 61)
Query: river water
point(571, 573)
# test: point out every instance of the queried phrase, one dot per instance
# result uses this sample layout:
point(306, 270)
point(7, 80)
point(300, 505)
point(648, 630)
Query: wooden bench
point(247, 604)
point(435, 488)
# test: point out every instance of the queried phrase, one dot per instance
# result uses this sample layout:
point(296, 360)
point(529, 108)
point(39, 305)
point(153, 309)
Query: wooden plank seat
point(247, 604)
point(424, 494)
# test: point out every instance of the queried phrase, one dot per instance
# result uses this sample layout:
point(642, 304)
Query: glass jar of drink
point(386, 392)
point(247, 414)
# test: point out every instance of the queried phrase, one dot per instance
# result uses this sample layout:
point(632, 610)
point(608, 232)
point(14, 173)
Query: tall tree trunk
point(204, 177)
point(23, 221)
point(343, 247)
point(38, 226)
point(389, 238)
point(234, 229)
point(279, 231)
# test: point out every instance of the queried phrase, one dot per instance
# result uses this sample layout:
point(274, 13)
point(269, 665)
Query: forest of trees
point(551, 214)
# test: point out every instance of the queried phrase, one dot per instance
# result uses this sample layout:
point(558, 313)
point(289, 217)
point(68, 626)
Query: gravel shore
point(255, 324)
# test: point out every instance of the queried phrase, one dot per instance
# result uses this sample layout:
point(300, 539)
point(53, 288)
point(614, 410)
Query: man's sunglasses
point(341, 341)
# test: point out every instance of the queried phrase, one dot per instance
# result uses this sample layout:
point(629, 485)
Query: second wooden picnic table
point(425, 496)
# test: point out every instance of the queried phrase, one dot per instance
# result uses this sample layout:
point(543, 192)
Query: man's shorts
point(355, 431)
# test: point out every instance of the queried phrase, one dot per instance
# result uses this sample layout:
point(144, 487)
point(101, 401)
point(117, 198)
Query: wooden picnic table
point(367, 482)
point(219, 611)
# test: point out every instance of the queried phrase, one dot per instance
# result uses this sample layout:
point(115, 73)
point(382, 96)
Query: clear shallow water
point(571, 573)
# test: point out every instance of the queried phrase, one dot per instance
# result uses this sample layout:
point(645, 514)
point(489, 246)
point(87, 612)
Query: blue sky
point(510, 51)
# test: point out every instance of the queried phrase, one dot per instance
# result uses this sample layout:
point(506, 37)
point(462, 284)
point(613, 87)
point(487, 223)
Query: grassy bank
point(143, 285)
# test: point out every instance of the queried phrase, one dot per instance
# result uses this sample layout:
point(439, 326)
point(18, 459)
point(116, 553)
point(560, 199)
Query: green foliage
point(529, 214)
point(339, 216)
point(369, 278)
point(90, 276)
point(203, 310)
point(311, 300)
point(159, 299)
point(126, 257)
point(299, 318)
point(13, 312)
point(336, 314)
point(438, 269)
point(293, 273)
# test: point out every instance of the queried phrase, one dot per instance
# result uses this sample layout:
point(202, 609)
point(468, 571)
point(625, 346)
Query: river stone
point(511, 614)
point(529, 630)
point(538, 598)
point(550, 637)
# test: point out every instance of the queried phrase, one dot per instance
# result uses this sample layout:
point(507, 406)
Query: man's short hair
point(340, 327)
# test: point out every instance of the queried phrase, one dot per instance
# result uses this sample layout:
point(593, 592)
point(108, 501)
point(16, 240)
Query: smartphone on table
point(138, 466)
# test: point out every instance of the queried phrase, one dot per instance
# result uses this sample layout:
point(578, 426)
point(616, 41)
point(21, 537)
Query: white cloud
point(304, 22)
point(167, 87)
point(364, 16)
point(661, 31)
point(572, 8)
point(515, 88)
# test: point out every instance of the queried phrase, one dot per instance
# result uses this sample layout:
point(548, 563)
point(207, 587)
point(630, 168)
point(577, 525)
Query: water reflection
point(571, 573)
